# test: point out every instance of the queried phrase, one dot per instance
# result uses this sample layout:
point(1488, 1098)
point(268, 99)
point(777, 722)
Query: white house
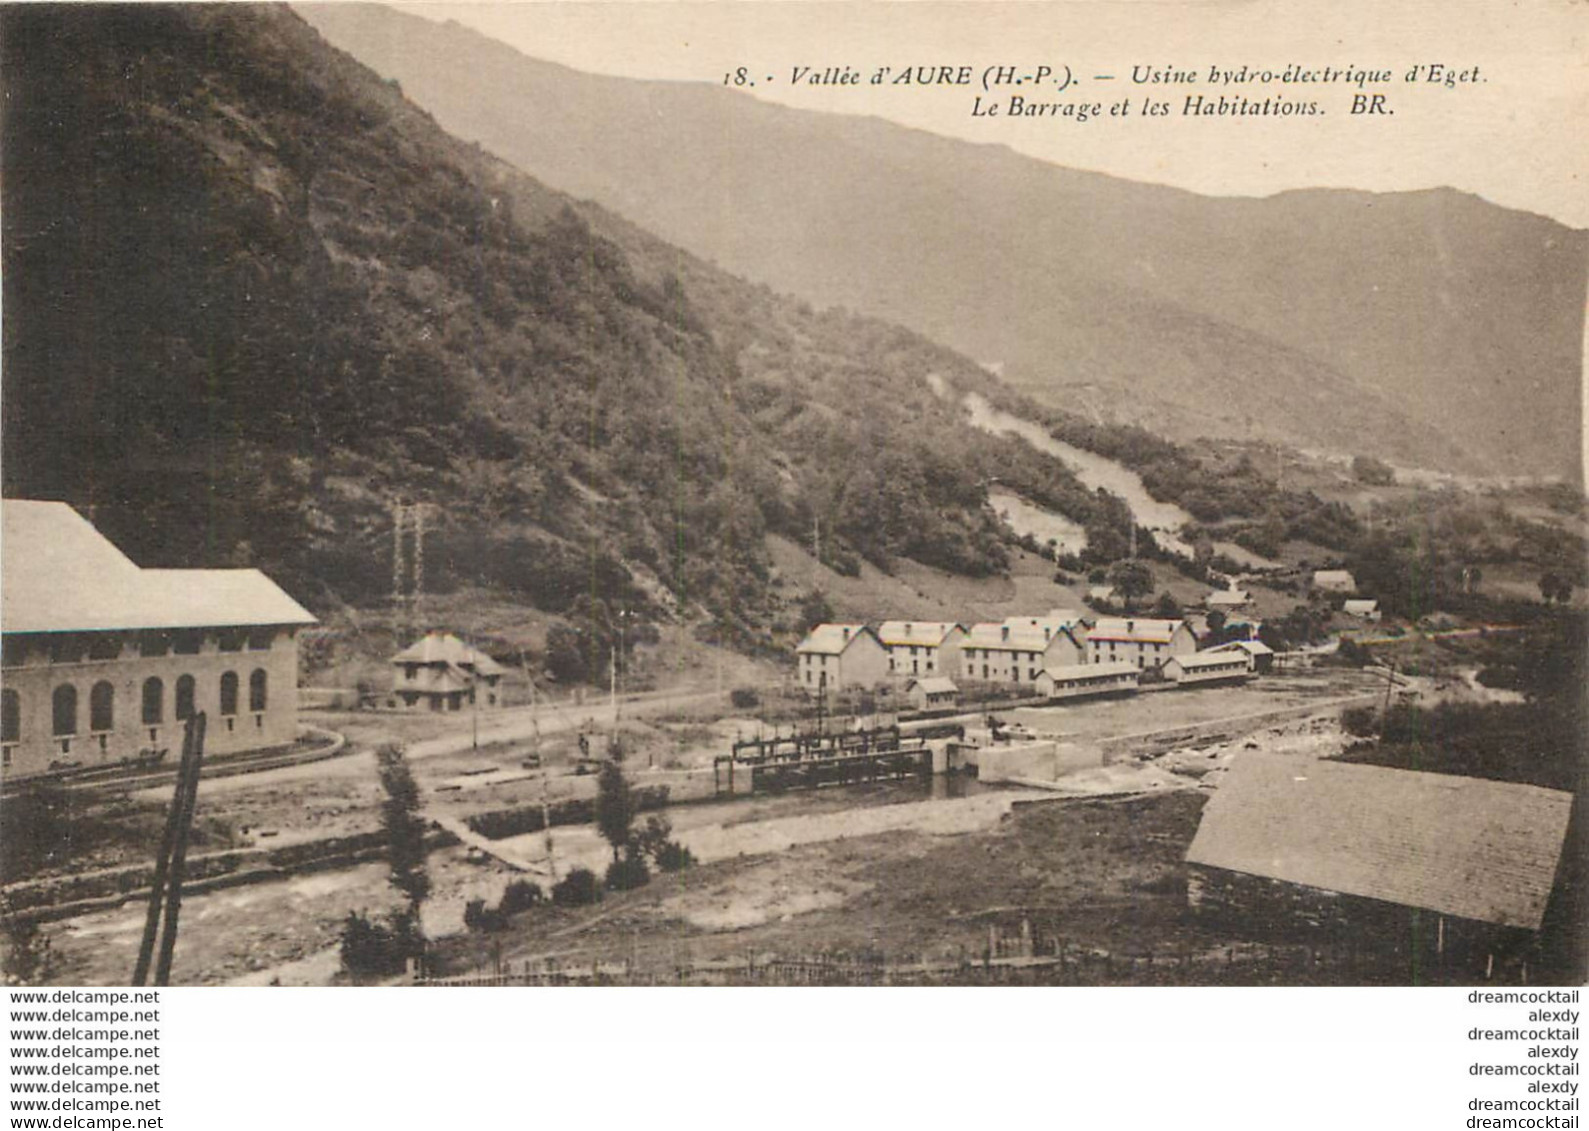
point(1334, 581)
point(442, 673)
point(1227, 599)
point(103, 661)
point(922, 647)
point(835, 656)
point(1359, 607)
point(1142, 641)
point(1005, 653)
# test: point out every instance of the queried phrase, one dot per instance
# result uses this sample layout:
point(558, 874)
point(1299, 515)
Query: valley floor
point(924, 869)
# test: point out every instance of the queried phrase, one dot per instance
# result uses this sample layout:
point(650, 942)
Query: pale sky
point(1516, 138)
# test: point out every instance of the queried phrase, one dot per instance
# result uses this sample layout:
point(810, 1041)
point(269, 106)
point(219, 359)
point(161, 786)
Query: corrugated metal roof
point(1477, 849)
point(59, 574)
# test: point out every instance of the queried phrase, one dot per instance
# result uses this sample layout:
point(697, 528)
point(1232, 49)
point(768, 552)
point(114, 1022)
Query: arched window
point(184, 707)
point(154, 700)
point(228, 693)
point(65, 709)
point(102, 707)
point(10, 716)
point(256, 690)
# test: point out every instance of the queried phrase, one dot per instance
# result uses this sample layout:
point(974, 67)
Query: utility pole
point(535, 749)
point(165, 894)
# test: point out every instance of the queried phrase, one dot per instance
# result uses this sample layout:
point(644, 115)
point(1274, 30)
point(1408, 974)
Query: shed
point(1359, 607)
point(1286, 836)
point(932, 693)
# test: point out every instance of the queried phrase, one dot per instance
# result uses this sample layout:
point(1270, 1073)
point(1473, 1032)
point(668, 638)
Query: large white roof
point(59, 574)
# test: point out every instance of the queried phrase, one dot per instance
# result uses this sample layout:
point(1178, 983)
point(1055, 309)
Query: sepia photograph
point(792, 494)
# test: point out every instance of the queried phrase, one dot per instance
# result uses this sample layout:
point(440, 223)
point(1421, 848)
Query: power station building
point(102, 661)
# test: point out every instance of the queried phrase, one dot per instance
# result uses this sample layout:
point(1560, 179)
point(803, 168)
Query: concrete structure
point(1360, 607)
point(1260, 657)
point(1142, 641)
point(1207, 667)
point(933, 693)
point(1002, 653)
point(1030, 761)
point(1334, 581)
point(836, 656)
point(104, 661)
point(1284, 838)
point(442, 673)
point(1081, 681)
point(918, 648)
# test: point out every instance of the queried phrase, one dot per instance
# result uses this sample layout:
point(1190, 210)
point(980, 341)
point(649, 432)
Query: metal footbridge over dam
point(807, 761)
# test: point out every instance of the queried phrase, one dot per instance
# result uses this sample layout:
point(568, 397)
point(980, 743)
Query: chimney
point(846, 631)
point(1004, 633)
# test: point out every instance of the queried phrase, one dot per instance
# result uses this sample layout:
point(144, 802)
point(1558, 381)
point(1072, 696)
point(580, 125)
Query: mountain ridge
point(1467, 357)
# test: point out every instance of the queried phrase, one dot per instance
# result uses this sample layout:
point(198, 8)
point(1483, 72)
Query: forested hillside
point(1430, 328)
point(253, 296)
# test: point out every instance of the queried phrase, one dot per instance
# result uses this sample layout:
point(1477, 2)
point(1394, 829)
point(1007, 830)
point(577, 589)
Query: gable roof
point(59, 574)
point(1210, 659)
point(1131, 630)
point(933, 685)
point(1467, 847)
point(1005, 637)
point(1228, 597)
point(1251, 647)
point(1083, 671)
point(832, 639)
point(1334, 577)
point(929, 633)
point(1360, 605)
point(443, 648)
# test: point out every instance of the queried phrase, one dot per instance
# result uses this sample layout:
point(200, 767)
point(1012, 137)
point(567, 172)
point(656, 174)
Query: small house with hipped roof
point(441, 673)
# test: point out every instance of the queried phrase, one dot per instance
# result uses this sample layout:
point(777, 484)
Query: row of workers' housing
point(102, 661)
point(1016, 650)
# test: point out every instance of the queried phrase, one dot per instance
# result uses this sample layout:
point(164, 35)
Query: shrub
point(577, 889)
point(674, 857)
point(744, 698)
point(519, 895)
point(1360, 722)
point(628, 873)
point(370, 948)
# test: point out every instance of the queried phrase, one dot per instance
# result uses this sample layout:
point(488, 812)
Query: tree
point(405, 835)
point(1131, 580)
point(1167, 606)
point(814, 610)
point(1554, 587)
point(615, 807)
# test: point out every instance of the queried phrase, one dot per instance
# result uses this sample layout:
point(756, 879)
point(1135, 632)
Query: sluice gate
point(806, 761)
